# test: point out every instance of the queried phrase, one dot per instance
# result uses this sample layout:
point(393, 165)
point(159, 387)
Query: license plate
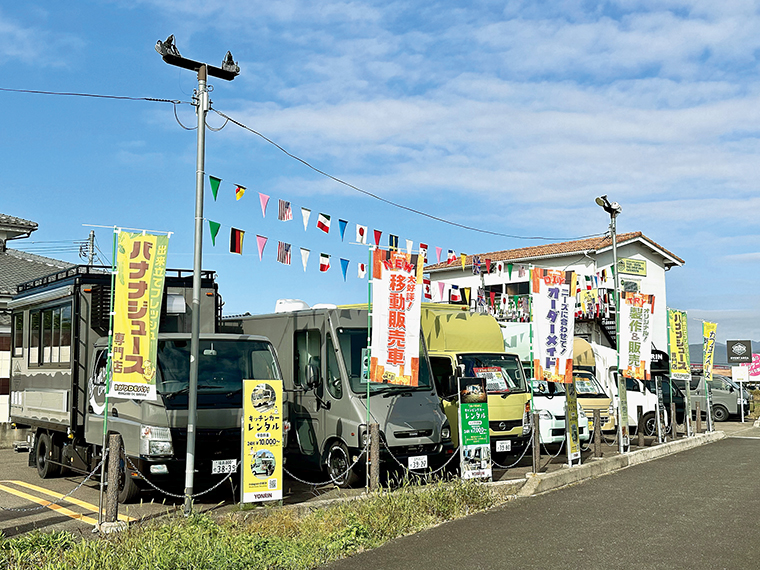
point(224, 466)
point(418, 462)
point(504, 445)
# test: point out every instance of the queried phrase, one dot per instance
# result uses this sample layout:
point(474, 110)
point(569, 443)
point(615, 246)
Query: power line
point(390, 202)
point(93, 95)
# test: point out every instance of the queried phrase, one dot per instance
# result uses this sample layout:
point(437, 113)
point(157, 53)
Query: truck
point(59, 355)
point(461, 343)
point(321, 351)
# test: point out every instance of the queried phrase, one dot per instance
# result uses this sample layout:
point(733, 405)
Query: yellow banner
point(262, 441)
point(632, 266)
point(678, 339)
point(708, 335)
point(139, 290)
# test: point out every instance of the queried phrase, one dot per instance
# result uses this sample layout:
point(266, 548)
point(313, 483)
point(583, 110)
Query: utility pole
point(91, 248)
point(228, 71)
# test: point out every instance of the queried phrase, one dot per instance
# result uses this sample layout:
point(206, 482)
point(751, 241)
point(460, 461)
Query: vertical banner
point(678, 348)
point(474, 437)
point(635, 334)
point(396, 307)
point(261, 462)
point(571, 423)
point(138, 294)
point(553, 301)
point(708, 358)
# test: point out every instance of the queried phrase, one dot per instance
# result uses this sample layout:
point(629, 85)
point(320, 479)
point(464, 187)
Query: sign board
point(553, 308)
point(632, 266)
point(138, 295)
point(635, 334)
point(739, 351)
point(474, 437)
point(571, 423)
point(261, 471)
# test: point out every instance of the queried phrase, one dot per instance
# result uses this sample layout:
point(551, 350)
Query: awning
point(583, 355)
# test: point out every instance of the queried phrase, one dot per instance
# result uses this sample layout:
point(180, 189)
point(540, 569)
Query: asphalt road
point(695, 509)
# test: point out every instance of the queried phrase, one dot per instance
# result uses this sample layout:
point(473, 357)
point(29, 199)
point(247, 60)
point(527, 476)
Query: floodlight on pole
point(614, 210)
point(229, 70)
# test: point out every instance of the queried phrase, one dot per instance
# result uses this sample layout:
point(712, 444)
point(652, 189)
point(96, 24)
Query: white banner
point(635, 334)
point(553, 299)
point(396, 307)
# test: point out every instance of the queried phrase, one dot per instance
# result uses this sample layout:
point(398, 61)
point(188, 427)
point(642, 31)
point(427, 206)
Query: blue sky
point(507, 116)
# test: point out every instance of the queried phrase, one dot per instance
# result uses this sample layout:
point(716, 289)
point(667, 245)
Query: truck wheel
point(47, 453)
point(650, 424)
point(337, 464)
point(128, 489)
point(720, 414)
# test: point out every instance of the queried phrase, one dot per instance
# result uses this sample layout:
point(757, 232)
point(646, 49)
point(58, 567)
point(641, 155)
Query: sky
point(509, 117)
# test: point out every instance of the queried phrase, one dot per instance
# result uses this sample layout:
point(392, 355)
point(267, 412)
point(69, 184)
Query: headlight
point(545, 415)
point(155, 441)
point(611, 410)
point(446, 433)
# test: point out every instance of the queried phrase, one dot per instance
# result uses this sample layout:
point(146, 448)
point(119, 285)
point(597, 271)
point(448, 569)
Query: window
point(307, 351)
point(18, 334)
point(50, 335)
point(334, 381)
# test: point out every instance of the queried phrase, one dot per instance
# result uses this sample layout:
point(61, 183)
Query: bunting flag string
point(213, 227)
point(304, 257)
point(239, 191)
point(323, 223)
point(214, 182)
point(344, 267)
point(264, 200)
point(305, 213)
point(261, 241)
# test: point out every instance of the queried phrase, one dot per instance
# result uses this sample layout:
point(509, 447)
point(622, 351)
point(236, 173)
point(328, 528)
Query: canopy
point(583, 355)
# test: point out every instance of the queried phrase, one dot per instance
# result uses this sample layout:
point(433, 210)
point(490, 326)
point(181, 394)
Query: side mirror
point(312, 376)
point(460, 371)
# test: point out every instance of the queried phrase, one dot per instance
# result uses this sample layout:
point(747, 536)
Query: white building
point(505, 288)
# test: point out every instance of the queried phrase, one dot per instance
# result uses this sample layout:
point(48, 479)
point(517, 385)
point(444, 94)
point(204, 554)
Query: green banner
point(474, 435)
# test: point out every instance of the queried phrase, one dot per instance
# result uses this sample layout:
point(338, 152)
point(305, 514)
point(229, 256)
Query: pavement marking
point(57, 508)
point(743, 437)
point(83, 504)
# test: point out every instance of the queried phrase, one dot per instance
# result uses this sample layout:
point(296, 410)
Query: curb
point(537, 483)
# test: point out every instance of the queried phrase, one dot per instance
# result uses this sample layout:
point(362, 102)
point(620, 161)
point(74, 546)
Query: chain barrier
point(614, 441)
point(561, 446)
point(175, 495)
point(527, 447)
point(333, 480)
point(66, 496)
point(409, 471)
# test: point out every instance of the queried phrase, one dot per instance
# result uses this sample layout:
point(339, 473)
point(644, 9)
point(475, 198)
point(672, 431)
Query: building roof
point(19, 267)
point(13, 226)
point(575, 247)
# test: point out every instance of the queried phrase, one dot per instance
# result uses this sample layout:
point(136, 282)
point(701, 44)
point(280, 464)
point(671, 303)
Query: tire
point(649, 422)
point(720, 414)
point(129, 491)
point(337, 462)
point(47, 453)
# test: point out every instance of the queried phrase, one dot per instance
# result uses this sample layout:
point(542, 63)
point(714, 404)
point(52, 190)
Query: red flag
point(426, 293)
point(378, 233)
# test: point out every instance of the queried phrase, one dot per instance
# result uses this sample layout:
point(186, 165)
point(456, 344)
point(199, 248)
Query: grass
point(281, 538)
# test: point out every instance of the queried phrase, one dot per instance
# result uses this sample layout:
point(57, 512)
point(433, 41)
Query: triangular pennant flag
point(438, 251)
point(236, 241)
point(305, 212)
point(323, 223)
point(261, 241)
point(492, 294)
point(409, 245)
point(509, 269)
point(361, 234)
point(423, 252)
point(487, 266)
point(344, 267)
point(214, 229)
point(441, 287)
point(284, 212)
point(283, 252)
point(214, 183)
point(466, 294)
point(378, 233)
point(463, 258)
point(392, 242)
point(264, 199)
point(324, 262)
point(426, 294)
point(304, 257)
point(239, 191)
point(362, 270)
point(342, 224)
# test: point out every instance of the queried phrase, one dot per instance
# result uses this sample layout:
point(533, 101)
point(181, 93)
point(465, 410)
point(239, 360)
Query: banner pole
point(369, 353)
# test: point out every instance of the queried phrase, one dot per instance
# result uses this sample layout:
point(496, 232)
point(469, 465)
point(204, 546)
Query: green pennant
point(214, 228)
point(214, 181)
point(509, 269)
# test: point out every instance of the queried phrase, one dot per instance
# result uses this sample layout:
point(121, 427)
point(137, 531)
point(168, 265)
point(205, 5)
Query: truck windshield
point(352, 342)
point(587, 386)
point(222, 365)
point(503, 372)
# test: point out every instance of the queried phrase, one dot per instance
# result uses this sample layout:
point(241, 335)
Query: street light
point(228, 71)
point(614, 210)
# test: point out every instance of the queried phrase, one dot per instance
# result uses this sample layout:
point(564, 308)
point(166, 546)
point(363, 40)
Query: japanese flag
point(361, 234)
point(362, 269)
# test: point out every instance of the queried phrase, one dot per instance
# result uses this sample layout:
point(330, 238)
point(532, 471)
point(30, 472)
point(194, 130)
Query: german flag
point(236, 241)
